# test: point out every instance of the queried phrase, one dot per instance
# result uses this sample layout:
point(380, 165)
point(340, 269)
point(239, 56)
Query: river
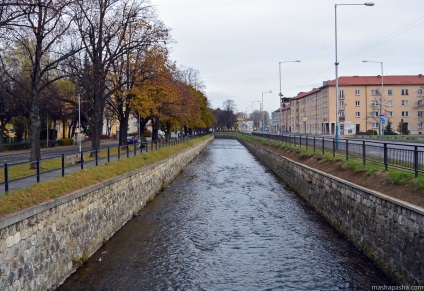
point(227, 223)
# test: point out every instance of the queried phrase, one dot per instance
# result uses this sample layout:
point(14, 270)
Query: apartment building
point(361, 100)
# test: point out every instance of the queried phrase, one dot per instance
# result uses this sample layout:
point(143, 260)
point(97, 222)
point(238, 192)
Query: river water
point(227, 223)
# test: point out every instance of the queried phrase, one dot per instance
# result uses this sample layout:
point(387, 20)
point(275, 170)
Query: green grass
point(24, 170)
point(15, 201)
point(392, 175)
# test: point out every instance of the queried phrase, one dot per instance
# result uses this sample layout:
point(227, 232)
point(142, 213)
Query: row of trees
point(109, 56)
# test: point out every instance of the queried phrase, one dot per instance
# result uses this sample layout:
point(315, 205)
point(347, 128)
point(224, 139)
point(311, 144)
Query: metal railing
point(389, 154)
point(35, 169)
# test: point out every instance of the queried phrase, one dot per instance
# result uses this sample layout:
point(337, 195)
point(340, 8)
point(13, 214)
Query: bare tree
point(104, 27)
point(40, 36)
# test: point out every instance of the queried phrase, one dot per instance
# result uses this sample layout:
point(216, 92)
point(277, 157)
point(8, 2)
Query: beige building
point(360, 106)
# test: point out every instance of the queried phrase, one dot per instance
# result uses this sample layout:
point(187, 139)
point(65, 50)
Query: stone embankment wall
point(41, 246)
point(389, 231)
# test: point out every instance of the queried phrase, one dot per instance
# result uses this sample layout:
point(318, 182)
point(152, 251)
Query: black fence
point(61, 164)
point(400, 155)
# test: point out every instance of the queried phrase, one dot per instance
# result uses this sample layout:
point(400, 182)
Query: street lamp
point(79, 122)
point(253, 113)
point(262, 111)
point(336, 64)
point(281, 95)
point(382, 98)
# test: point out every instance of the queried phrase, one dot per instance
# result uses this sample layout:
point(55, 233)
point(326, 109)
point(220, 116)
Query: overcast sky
point(236, 45)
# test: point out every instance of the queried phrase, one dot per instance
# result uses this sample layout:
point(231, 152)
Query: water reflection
point(227, 223)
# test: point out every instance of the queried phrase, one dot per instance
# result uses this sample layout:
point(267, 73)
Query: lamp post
point(262, 111)
point(382, 111)
point(281, 95)
point(253, 113)
point(79, 122)
point(336, 64)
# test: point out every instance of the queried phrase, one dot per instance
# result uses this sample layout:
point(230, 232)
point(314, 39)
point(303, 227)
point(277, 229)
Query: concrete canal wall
point(389, 231)
point(41, 246)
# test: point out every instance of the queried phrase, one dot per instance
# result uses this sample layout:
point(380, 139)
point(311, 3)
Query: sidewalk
point(54, 174)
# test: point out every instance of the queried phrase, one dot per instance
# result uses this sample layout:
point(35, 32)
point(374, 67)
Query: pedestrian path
point(57, 173)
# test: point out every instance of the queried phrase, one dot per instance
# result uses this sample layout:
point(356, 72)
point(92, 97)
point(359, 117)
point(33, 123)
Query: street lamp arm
point(336, 64)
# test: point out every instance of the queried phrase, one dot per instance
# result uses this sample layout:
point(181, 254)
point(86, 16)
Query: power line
point(398, 32)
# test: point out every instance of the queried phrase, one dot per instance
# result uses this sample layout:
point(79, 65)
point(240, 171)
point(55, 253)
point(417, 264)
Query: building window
point(390, 113)
point(342, 105)
point(405, 114)
point(375, 92)
point(420, 103)
point(389, 103)
point(341, 94)
point(420, 113)
point(405, 102)
point(389, 92)
point(358, 114)
point(405, 92)
point(357, 103)
point(420, 125)
point(374, 124)
point(420, 91)
point(375, 114)
point(357, 92)
point(374, 103)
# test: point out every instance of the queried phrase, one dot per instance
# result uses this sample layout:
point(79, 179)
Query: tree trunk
point(123, 132)
point(2, 128)
point(34, 115)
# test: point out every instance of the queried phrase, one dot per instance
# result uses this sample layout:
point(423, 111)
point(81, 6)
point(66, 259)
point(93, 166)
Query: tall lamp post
point(262, 109)
point(281, 94)
point(382, 111)
point(336, 64)
point(79, 122)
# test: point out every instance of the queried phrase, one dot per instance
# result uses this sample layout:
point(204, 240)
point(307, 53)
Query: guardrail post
point(323, 145)
point(306, 138)
point(364, 156)
point(334, 148)
point(347, 150)
point(63, 165)
point(416, 161)
point(119, 152)
point(300, 141)
point(38, 171)
point(314, 144)
point(128, 151)
point(82, 159)
point(385, 156)
point(108, 154)
point(6, 178)
point(97, 157)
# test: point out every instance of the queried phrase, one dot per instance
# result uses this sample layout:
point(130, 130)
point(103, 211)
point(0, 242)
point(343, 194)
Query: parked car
point(132, 140)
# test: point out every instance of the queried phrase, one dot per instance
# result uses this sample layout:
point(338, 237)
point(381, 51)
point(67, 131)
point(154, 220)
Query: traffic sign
point(383, 118)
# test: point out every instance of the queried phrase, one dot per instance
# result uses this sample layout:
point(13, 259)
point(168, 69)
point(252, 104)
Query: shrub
point(65, 142)
point(16, 146)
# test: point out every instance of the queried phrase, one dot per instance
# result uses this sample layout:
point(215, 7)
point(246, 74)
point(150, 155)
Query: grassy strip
point(24, 170)
point(24, 198)
point(392, 176)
